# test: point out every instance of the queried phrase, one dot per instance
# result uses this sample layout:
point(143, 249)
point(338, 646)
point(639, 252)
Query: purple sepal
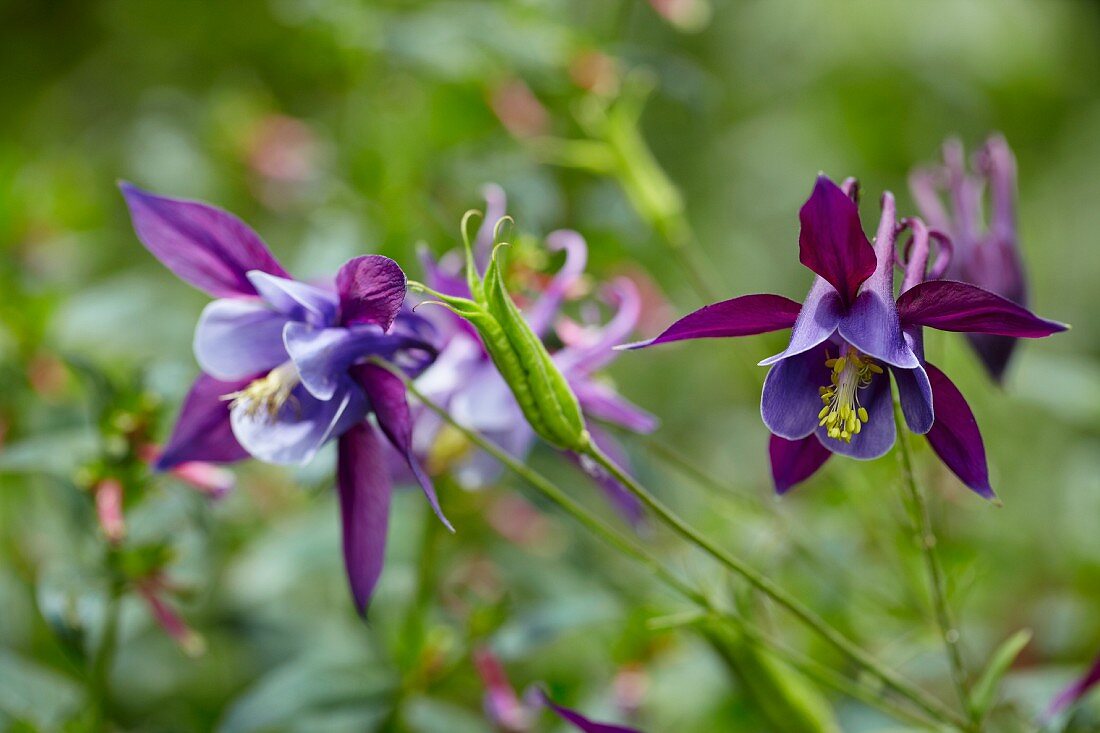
point(817, 320)
point(386, 394)
point(203, 245)
point(794, 461)
point(541, 314)
point(601, 402)
point(582, 723)
point(202, 431)
point(364, 491)
point(915, 396)
point(371, 290)
point(744, 316)
point(955, 436)
point(1075, 691)
point(956, 306)
point(832, 242)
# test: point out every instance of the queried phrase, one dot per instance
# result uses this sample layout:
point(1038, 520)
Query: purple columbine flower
point(284, 365)
point(988, 256)
point(828, 391)
point(1076, 690)
point(464, 380)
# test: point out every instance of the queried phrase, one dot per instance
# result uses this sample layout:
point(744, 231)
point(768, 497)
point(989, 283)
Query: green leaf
point(984, 694)
point(34, 693)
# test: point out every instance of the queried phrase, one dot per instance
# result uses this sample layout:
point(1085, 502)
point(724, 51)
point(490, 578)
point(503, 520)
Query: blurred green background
point(339, 127)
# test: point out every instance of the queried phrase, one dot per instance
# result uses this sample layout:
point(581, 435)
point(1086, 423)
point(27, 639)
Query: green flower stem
point(614, 538)
point(99, 667)
point(803, 613)
point(926, 539)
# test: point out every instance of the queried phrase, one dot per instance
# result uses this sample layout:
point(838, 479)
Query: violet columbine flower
point(988, 256)
point(828, 391)
point(1076, 690)
point(465, 381)
point(285, 365)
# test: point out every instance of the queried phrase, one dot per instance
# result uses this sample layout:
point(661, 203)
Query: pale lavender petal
point(818, 319)
point(955, 306)
point(745, 316)
point(832, 242)
point(301, 427)
point(924, 186)
point(386, 393)
point(364, 491)
point(794, 461)
point(203, 245)
point(603, 403)
point(440, 278)
point(582, 723)
point(915, 396)
point(486, 402)
point(1075, 691)
point(597, 348)
point(955, 436)
point(878, 434)
point(790, 401)
point(297, 300)
point(239, 337)
point(625, 503)
point(202, 431)
point(371, 289)
point(540, 316)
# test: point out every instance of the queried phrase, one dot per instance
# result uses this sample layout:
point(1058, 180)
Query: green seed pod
point(519, 355)
point(784, 697)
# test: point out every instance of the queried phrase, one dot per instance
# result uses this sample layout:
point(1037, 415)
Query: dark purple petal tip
point(832, 242)
point(744, 316)
point(955, 306)
point(202, 431)
point(203, 245)
point(364, 491)
point(955, 436)
point(582, 723)
point(371, 290)
point(794, 461)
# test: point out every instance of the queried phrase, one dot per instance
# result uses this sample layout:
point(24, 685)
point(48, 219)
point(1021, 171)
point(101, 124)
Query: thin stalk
point(926, 539)
point(795, 607)
point(99, 667)
point(614, 538)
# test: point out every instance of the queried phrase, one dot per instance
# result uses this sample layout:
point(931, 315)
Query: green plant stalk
point(926, 539)
point(614, 538)
point(99, 667)
point(795, 607)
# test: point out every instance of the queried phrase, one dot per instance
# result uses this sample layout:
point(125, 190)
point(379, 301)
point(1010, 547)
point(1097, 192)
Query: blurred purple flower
point(284, 365)
point(464, 380)
point(507, 711)
point(1075, 691)
point(989, 257)
point(845, 336)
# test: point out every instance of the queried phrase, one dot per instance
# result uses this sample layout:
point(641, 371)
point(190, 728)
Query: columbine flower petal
point(877, 434)
point(203, 245)
point(541, 314)
point(323, 355)
point(202, 431)
point(582, 723)
point(238, 337)
point(744, 316)
point(794, 461)
point(1075, 691)
point(601, 402)
point(296, 300)
point(371, 289)
point(915, 396)
point(302, 425)
point(364, 492)
point(832, 242)
point(956, 306)
point(818, 319)
point(955, 436)
point(790, 402)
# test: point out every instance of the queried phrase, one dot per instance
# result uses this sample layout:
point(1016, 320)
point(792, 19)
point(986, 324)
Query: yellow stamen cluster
point(264, 397)
point(842, 415)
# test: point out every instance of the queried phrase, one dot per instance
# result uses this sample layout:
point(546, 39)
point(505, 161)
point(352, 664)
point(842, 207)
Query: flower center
point(264, 397)
point(842, 415)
